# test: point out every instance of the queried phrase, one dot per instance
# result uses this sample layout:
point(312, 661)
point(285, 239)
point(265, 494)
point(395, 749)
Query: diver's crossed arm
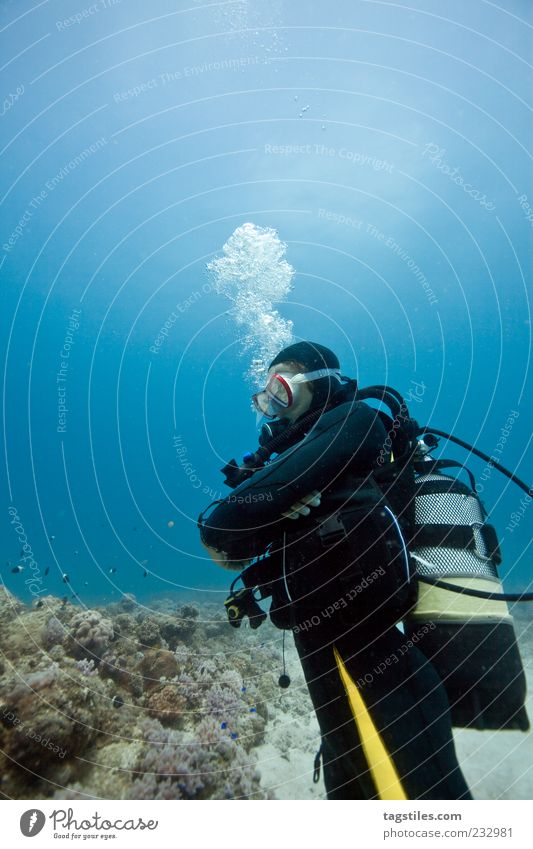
point(251, 515)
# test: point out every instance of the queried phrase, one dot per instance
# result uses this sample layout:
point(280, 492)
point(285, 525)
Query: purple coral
point(221, 702)
point(176, 767)
point(87, 667)
point(35, 681)
point(54, 632)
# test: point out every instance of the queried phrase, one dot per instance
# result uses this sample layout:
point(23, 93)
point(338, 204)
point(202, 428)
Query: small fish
point(64, 600)
point(145, 574)
point(76, 551)
point(21, 552)
point(40, 603)
point(243, 689)
point(253, 710)
point(144, 562)
point(52, 538)
point(234, 735)
point(86, 583)
point(223, 725)
point(65, 577)
point(112, 570)
point(17, 569)
point(46, 571)
point(117, 701)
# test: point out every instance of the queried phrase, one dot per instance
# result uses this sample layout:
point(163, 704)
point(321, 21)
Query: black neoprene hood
point(310, 354)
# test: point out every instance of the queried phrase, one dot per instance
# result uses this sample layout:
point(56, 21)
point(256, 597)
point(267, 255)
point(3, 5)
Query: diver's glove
point(242, 603)
point(303, 507)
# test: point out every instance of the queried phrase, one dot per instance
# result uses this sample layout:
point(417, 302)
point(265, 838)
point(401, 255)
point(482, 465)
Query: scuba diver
point(343, 519)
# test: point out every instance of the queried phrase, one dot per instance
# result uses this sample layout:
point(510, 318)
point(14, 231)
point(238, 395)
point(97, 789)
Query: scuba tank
point(470, 640)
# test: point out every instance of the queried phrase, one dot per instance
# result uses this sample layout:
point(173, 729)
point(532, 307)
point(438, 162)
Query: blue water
point(387, 145)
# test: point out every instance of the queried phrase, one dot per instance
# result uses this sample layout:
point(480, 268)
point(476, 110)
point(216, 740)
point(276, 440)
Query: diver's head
point(301, 377)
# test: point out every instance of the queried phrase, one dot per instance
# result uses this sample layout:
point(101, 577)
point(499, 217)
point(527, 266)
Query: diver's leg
point(346, 773)
point(393, 687)
point(383, 716)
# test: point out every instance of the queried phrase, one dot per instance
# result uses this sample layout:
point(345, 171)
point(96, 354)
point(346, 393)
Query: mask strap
point(304, 377)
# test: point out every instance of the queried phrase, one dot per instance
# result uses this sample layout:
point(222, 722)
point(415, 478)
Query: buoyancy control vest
point(350, 571)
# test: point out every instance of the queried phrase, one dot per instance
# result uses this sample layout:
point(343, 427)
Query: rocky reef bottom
point(167, 701)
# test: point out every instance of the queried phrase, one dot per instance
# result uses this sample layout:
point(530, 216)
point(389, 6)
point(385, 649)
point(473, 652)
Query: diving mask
point(282, 390)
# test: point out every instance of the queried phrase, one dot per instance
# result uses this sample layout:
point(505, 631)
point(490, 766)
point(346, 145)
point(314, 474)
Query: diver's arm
point(347, 436)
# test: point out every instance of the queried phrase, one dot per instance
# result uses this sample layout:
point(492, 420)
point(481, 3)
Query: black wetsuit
point(382, 709)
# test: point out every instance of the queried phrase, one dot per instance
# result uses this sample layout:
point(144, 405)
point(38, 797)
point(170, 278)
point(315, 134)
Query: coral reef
point(167, 705)
point(87, 667)
point(157, 664)
point(120, 702)
point(54, 632)
point(45, 721)
point(10, 605)
point(149, 633)
point(90, 634)
point(210, 766)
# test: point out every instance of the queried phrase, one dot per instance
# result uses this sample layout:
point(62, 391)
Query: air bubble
point(254, 275)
